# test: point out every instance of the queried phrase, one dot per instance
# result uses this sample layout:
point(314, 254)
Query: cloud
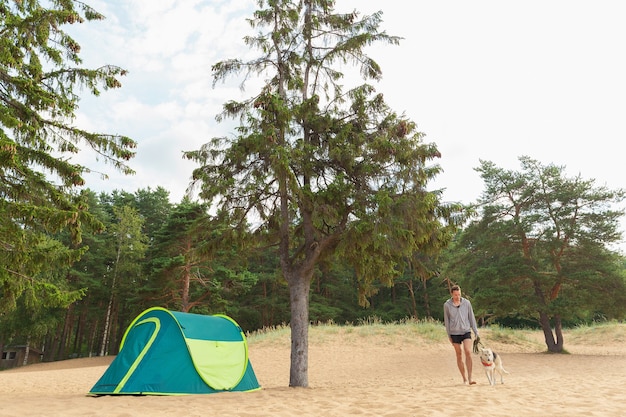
point(485, 79)
point(167, 103)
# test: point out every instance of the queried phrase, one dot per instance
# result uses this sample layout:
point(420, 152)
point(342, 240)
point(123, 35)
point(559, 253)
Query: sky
point(484, 80)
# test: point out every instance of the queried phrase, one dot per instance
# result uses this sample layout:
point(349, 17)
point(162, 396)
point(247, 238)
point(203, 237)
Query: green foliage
point(194, 262)
point(40, 78)
point(319, 169)
point(246, 283)
point(539, 248)
point(130, 245)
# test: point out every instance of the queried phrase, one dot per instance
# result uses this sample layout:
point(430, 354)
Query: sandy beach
point(352, 376)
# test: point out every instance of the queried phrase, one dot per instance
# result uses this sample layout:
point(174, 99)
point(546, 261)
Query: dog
point(492, 362)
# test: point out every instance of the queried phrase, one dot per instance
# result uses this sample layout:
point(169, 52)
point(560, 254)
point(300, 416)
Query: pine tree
point(320, 170)
point(40, 81)
point(540, 248)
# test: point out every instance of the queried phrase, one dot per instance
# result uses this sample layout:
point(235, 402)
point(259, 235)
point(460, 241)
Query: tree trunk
point(105, 331)
point(299, 287)
point(52, 354)
point(107, 319)
point(412, 296)
point(118, 313)
point(184, 302)
point(26, 352)
point(92, 339)
point(558, 331)
point(66, 332)
point(426, 298)
point(80, 331)
point(554, 345)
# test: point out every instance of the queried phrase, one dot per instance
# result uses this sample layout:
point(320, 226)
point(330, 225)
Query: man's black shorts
point(459, 338)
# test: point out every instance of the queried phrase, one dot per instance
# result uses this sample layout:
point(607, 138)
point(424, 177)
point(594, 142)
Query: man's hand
point(476, 343)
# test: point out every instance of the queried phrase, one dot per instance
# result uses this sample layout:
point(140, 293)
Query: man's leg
point(459, 360)
point(467, 347)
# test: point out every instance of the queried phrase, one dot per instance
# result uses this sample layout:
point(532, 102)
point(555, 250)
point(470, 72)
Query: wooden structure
point(13, 356)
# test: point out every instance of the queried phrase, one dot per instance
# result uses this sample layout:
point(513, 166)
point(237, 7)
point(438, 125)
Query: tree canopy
point(539, 248)
point(40, 83)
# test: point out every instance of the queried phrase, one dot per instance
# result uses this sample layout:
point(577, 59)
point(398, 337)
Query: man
point(458, 317)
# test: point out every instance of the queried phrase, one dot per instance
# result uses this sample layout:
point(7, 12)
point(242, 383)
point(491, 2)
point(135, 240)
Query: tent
point(170, 353)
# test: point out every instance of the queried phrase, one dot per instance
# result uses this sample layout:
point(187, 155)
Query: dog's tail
point(501, 367)
point(505, 371)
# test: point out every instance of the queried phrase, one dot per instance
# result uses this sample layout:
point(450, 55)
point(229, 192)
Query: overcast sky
point(491, 80)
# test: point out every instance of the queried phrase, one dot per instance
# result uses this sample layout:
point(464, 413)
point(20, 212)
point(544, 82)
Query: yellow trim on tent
point(146, 348)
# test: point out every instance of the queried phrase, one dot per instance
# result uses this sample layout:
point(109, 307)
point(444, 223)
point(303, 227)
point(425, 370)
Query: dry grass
point(430, 333)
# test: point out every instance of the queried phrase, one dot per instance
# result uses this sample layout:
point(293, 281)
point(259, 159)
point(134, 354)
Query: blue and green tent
point(172, 353)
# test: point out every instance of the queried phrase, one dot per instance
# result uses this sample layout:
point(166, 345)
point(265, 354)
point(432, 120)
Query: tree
point(539, 248)
point(35, 311)
point(318, 170)
point(193, 265)
point(40, 78)
point(153, 205)
point(176, 264)
point(130, 248)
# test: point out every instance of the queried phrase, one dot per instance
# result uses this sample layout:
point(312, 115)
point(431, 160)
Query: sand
point(374, 376)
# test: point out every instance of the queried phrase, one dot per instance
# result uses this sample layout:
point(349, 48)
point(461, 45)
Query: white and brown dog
point(492, 363)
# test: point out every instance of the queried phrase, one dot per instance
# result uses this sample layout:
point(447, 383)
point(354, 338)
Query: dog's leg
point(490, 375)
point(500, 368)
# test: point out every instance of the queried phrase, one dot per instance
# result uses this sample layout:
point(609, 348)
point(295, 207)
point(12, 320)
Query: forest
point(149, 252)
point(318, 209)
